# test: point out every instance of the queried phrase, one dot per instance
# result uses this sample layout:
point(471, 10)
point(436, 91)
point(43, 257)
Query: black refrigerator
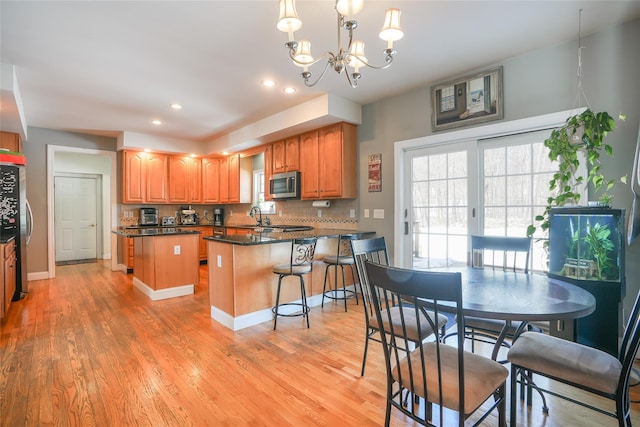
point(16, 218)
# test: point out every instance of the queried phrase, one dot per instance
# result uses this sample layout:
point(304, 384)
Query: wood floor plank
point(88, 349)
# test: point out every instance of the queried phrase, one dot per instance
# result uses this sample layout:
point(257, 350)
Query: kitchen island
point(242, 285)
point(166, 260)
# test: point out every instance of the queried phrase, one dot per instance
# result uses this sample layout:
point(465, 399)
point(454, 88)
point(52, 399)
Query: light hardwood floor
point(87, 349)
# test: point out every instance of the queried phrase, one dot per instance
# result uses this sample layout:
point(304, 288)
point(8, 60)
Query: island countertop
point(268, 237)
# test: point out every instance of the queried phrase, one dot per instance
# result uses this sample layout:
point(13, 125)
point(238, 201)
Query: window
point(267, 207)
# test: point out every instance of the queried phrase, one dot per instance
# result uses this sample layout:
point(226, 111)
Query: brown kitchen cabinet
point(328, 162)
point(126, 252)
point(11, 141)
point(185, 179)
point(145, 177)
point(211, 180)
point(230, 179)
point(202, 243)
point(8, 276)
point(286, 155)
point(268, 170)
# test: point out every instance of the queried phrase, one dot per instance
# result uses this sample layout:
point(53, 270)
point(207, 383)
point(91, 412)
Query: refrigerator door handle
point(29, 222)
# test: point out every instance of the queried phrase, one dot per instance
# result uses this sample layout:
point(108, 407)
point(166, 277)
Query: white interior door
point(75, 218)
point(442, 204)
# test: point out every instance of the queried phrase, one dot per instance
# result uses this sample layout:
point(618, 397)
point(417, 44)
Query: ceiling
point(103, 67)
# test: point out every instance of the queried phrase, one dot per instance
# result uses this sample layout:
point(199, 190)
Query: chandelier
point(350, 56)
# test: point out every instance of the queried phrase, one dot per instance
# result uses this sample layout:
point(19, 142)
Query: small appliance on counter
point(218, 217)
point(188, 217)
point(148, 217)
point(168, 221)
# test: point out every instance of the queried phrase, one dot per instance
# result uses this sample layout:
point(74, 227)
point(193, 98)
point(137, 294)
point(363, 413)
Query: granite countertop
point(153, 231)
point(266, 237)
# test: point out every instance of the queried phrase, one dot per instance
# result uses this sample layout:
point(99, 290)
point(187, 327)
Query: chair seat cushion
point(410, 322)
point(344, 260)
point(482, 376)
point(569, 361)
point(296, 269)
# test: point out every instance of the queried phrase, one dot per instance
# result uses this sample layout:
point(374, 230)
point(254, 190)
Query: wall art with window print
point(467, 100)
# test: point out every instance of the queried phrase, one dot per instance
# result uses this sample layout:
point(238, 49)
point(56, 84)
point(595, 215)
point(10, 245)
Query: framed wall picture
point(467, 100)
point(375, 172)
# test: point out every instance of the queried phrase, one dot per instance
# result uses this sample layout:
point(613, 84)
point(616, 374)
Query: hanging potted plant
point(583, 132)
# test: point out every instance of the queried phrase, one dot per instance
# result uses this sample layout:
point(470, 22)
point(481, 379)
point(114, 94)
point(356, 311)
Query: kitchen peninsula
point(242, 285)
point(166, 260)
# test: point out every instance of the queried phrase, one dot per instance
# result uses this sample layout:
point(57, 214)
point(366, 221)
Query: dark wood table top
point(496, 294)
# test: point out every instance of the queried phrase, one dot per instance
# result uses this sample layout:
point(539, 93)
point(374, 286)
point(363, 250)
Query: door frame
point(99, 207)
point(112, 218)
point(402, 243)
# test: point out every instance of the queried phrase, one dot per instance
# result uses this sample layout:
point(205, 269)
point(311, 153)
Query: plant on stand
point(582, 133)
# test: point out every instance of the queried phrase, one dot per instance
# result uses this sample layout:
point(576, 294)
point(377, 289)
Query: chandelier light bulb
point(303, 56)
point(288, 22)
point(349, 7)
point(356, 55)
point(391, 30)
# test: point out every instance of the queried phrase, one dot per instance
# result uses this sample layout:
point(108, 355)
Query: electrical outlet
point(280, 213)
point(176, 250)
point(219, 261)
point(319, 213)
point(366, 213)
point(352, 213)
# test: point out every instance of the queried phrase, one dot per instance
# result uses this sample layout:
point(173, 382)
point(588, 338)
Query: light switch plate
point(366, 213)
point(378, 213)
point(176, 250)
point(219, 261)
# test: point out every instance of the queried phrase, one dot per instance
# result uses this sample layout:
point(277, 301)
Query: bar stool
point(301, 263)
point(343, 258)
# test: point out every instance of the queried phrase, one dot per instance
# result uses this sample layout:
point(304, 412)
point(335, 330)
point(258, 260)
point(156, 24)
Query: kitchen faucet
point(253, 211)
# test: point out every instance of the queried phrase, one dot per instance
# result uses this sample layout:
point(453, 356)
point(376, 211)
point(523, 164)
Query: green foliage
point(590, 130)
point(599, 245)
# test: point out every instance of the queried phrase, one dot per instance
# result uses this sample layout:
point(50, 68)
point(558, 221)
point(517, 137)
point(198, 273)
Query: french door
point(442, 197)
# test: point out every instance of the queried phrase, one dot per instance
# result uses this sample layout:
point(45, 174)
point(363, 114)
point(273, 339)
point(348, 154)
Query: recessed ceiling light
point(176, 106)
point(147, 150)
point(289, 90)
point(156, 122)
point(268, 83)
point(192, 155)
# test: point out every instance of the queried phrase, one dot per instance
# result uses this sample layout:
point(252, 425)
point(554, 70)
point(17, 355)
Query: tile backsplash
point(338, 215)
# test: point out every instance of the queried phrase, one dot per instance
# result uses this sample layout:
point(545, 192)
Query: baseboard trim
point(156, 295)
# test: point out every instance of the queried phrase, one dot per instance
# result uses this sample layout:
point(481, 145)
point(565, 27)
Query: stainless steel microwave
point(285, 185)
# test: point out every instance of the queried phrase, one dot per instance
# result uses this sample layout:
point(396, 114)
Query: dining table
point(515, 296)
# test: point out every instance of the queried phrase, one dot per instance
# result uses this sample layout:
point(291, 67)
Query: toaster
point(168, 221)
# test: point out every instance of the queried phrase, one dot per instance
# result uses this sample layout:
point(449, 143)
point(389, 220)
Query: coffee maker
point(188, 216)
point(218, 216)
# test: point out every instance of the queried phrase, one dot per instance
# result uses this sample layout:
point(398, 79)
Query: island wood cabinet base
point(166, 266)
point(242, 285)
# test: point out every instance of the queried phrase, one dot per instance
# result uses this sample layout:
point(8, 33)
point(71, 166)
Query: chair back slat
point(629, 348)
point(407, 295)
point(374, 250)
point(506, 245)
point(302, 252)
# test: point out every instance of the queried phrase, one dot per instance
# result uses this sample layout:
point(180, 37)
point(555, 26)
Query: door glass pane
point(439, 207)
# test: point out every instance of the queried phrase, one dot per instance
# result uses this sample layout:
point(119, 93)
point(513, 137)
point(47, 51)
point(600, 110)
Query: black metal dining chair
point(483, 255)
point(300, 263)
point(433, 372)
point(577, 365)
point(375, 250)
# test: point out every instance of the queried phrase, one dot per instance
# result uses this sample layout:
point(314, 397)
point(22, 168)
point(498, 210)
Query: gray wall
point(35, 149)
point(535, 83)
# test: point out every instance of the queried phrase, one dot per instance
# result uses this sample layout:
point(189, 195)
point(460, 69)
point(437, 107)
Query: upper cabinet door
point(292, 153)
point(309, 165)
point(211, 180)
point(157, 178)
point(134, 179)
point(195, 181)
point(179, 179)
point(330, 163)
point(234, 178)
point(279, 161)
point(268, 170)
